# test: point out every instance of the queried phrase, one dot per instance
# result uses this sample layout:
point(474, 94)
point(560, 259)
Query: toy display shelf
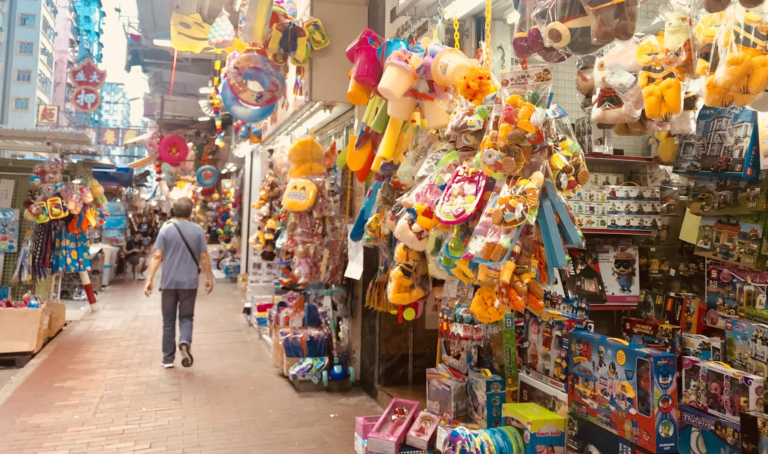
point(588, 231)
point(612, 161)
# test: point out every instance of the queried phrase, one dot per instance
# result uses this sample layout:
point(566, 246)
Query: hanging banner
point(110, 137)
point(86, 99)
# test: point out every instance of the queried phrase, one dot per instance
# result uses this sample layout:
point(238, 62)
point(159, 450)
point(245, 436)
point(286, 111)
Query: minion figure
point(624, 270)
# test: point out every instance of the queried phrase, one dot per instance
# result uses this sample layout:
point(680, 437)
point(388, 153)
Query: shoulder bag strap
point(188, 248)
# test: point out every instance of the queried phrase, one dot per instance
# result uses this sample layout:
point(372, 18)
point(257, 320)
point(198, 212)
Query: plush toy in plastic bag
point(685, 123)
point(567, 166)
point(404, 284)
point(705, 43)
point(618, 98)
point(662, 89)
point(566, 26)
point(612, 19)
point(528, 40)
point(585, 82)
point(678, 43)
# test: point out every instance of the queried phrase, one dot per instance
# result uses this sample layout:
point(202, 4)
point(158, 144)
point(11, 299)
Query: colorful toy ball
point(35, 181)
point(207, 176)
point(222, 224)
point(173, 149)
point(215, 197)
point(224, 217)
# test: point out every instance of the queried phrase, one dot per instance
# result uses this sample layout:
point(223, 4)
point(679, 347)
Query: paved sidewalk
point(102, 389)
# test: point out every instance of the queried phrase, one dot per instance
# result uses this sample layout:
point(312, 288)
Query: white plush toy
point(618, 98)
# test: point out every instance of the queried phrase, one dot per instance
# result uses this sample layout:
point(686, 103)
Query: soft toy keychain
point(662, 91)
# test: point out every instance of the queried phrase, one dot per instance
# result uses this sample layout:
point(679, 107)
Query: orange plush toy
point(662, 90)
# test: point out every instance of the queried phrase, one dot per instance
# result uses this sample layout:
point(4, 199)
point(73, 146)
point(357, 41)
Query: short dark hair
point(182, 208)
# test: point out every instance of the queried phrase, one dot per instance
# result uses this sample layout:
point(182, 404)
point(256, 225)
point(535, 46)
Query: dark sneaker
point(186, 354)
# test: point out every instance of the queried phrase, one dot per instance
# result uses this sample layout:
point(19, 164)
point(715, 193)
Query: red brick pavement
point(102, 390)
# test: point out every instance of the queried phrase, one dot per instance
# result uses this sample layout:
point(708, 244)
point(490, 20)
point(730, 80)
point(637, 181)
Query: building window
point(47, 55)
point(44, 83)
point(27, 20)
point(21, 104)
point(23, 76)
point(25, 48)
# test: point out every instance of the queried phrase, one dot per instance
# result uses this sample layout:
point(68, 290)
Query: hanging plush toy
point(403, 287)
point(662, 91)
point(609, 107)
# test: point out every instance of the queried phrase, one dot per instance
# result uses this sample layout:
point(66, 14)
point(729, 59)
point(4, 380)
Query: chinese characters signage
point(47, 115)
point(88, 78)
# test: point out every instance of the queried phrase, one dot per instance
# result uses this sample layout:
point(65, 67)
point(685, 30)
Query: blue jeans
point(183, 302)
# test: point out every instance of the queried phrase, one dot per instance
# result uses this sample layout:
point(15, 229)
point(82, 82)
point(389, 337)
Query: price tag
point(451, 288)
point(672, 272)
point(296, 321)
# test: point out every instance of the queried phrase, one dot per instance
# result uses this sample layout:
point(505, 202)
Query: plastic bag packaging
point(743, 67)
point(437, 152)
point(662, 88)
point(567, 166)
point(528, 41)
point(618, 97)
point(612, 20)
point(435, 242)
point(467, 125)
point(514, 136)
point(462, 195)
point(678, 42)
point(406, 284)
point(585, 82)
point(566, 27)
point(705, 43)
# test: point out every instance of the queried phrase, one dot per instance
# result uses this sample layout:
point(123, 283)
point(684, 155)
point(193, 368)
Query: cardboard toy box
point(389, 432)
point(446, 393)
point(486, 393)
point(665, 338)
point(536, 392)
point(56, 317)
point(626, 388)
point(745, 344)
point(703, 347)
point(543, 431)
point(22, 330)
point(728, 196)
point(544, 350)
point(720, 390)
point(731, 289)
point(620, 271)
point(754, 433)
point(735, 240)
point(702, 433)
point(662, 308)
point(460, 354)
point(584, 437)
point(725, 145)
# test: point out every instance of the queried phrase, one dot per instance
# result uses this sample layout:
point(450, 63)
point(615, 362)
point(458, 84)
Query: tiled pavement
point(102, 390)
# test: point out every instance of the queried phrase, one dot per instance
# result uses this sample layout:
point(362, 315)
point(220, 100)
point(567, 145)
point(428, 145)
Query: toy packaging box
point(389, 432)
point(584, 277)
point(720, 390)
point(422, 433)
point(585, 437)
point(725, 145)
point(735, 240)
point(702, 433)
point(460, 354)
point(543, 431)
point(703, 347)
point(620, 272)
point(663, 308)
point(486, 393)
point(728, 196)
point(363, 426)
point(534, 391)
point(446, 393)
point(754, 433)
point(746, 344)
point(626, 388)
point(665, 338)
point(731, 289)
point(544, 350)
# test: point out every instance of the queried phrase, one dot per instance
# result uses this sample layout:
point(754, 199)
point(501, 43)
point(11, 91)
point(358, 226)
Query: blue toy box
point(626, 388)
point(585, 437)
point(486, 393)
point(702, 433)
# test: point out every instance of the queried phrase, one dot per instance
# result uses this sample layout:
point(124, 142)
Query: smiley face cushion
point(300, 195)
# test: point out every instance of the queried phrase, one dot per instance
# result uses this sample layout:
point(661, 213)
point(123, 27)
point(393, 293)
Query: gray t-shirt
point(179, 270)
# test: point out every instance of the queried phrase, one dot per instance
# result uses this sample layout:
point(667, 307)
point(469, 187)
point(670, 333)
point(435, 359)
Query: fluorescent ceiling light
point(77, 181)
point(206, 90)
point(460, 8)
point(224, 171)
point(511, 16)
point(318, 117)
point(203, 118)
point(162, 42)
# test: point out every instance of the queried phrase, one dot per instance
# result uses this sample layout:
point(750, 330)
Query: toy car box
point(702, 433)
point(736, 240)
point(754, 433)
point(725, 145)
point(720, 390)
point(544, 350)
point(536, 392)
point(486, 393)
point(728, 196)
point(626, 388)
point(660, 337)
point(542, 430)
point(584, 437)
point(446, 392)
point(703, 347)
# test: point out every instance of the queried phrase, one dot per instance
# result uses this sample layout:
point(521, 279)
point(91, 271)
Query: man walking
point(181, 247)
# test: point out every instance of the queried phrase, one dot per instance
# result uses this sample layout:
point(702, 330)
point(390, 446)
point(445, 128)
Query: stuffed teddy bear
point(585, 82)
point(306, 156)
point(662, 90)
point(612, 19)
point(567, 27)
point(614, 74)
point(744, 68)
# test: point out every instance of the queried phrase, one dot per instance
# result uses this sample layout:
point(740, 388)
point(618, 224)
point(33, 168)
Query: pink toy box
point(422, 433)
point(390, 430)
point(363, 426)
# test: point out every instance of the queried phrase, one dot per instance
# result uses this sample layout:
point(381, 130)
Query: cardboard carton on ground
point(55, 313)
point(22, 330)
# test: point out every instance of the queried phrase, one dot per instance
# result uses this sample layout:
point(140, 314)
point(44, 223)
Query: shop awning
point(47, 141)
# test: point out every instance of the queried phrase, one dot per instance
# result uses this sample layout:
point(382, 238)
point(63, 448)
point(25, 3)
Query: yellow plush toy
point(662, 91)
point(306, 156)
point(401, 289)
